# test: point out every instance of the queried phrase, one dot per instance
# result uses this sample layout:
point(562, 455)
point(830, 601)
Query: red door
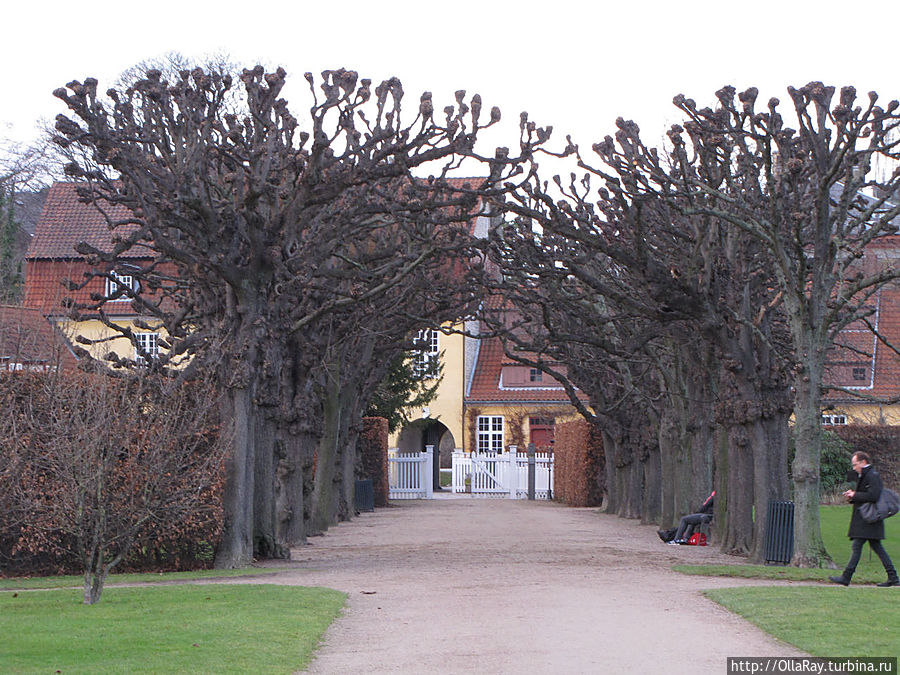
point(541, 432)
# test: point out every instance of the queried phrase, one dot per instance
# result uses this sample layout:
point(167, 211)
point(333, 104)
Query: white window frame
point(117, 280)
point(834, 419)
point(149, 342)
point(489, 434)
point(426, 360)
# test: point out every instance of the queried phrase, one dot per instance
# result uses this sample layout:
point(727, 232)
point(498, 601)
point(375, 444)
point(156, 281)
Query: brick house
point(52, 260)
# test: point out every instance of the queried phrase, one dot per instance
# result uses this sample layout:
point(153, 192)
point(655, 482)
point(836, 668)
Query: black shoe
point(842, 580)
point(889, 583)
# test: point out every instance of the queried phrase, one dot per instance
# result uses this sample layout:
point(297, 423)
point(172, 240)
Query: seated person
point(689, 522)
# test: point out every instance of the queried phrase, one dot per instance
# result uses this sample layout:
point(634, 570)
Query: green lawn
point(211, 628)
point(17, 583)
point(821, 620)
point(834, 522)
point(817, 618)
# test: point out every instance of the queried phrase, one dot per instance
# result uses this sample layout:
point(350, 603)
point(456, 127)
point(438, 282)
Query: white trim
point(491, 439)
point(149, 342)
point(871, 366)
point(124, 280)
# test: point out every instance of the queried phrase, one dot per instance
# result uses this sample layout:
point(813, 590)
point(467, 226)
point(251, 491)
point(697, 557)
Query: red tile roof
point(876, 363)
point(44, 284)
point(487, 385)
point(66, 221)
point(29, 339)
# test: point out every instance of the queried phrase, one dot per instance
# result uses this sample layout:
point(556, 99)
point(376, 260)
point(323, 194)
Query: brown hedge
point(33, 543)
point(579, 464)
point(372, 448)
point(881, 442)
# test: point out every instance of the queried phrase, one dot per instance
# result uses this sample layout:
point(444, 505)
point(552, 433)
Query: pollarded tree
point(809, 197)
point(623, 273)
point(276, 231)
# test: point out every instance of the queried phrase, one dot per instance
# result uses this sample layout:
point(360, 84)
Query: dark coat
point(868, 489)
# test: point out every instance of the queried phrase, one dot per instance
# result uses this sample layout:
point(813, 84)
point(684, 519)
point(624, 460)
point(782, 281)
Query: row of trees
point(697, 288)
point(701, 286)
point(304, 258)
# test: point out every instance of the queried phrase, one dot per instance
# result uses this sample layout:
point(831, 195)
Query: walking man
point(868, 489)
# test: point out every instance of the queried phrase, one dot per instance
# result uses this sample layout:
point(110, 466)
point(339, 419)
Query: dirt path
point(499, 586)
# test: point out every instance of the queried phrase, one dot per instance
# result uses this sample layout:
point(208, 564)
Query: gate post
point(513, 472)
point(428, 471)
point(531, 472)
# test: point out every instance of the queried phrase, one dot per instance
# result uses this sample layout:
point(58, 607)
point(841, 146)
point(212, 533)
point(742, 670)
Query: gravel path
point(463, 585)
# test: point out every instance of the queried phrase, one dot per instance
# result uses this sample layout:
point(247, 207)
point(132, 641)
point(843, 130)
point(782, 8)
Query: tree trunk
point(669, 438)
point(236, 548)
point(93, 586)
point(323, 505)
point(770, 474)
point(653, 482)
point(737, 537)
point(809, 549)
point(294, 451)
point(264, 518)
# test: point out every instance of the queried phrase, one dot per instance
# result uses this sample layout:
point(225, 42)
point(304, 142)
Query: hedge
point(881, 442)
point(579, 470)
point(372, 450)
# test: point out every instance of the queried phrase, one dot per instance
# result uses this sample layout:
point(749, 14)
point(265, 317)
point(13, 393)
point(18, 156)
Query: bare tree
point(808, 196)
point(104, 464)
point(783, 223)
point(265, 237)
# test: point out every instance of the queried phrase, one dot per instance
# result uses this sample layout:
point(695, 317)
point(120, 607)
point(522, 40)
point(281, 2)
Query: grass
point(821, 621)
point(816, 618)
point(186, 628)
point(834, 522)
point(19, 583)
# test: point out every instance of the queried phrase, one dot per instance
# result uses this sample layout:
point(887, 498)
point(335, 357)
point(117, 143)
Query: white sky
point(575, 65)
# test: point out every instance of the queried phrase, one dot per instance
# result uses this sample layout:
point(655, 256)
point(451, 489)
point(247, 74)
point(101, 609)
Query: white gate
point(489, 474)
point(410, 474)
point(502, 475)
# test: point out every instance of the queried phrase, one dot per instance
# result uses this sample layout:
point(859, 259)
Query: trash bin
point(365, 495)
point(780, 532)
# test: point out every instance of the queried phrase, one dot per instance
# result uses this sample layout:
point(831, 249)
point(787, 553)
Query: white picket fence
point(410, 474)
point(502, 474)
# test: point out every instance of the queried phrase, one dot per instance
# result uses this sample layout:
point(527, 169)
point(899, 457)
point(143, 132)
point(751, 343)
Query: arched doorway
point(416, 436)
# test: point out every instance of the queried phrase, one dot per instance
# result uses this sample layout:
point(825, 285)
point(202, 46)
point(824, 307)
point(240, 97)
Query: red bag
point(697, 539)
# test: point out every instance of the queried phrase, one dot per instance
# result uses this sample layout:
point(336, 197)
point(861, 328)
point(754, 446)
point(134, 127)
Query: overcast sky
point(576, 66)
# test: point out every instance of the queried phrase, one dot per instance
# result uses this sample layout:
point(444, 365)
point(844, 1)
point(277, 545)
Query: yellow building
point(485, 402)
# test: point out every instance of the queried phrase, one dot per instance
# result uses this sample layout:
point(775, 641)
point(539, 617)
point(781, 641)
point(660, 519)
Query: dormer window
point(120, 284)
point(525, 377)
